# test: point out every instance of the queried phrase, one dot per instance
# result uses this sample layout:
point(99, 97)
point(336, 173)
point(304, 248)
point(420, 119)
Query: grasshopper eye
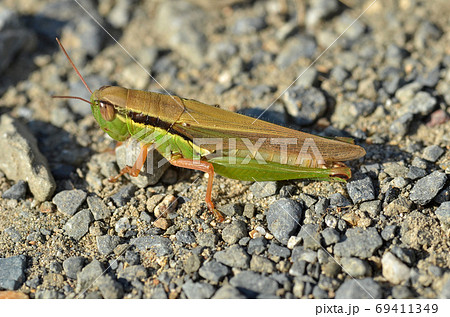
point(107, 111)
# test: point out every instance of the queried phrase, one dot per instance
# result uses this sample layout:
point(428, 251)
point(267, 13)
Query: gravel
point(213, 271)
point(359, 242)
point(12, 272)
point(234, 256)
point(365, 288)
point(17, 191)
point(252, 284)
point(69, 201)
point(73, 265)
point(283, 218)
point(427, 188)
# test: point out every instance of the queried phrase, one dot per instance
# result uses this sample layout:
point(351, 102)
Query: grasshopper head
point(108, 105)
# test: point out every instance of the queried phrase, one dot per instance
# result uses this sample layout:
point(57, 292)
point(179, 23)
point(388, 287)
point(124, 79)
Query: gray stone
point(98, 208)
point(361, 190)
point(132, 258)
point(401, 292)
point(77, 226)
point(305, 105)
point(248, 25)
point(12, 272)
point(295, 48)
point(205, 239)
point(257, 245)
point(192, 263)
point(213, 271)
point(228, 292)
point(198, 290)
point(355, 267)
point(231, 210)
point(185, 237)
point(233, 256)
point(443, 213)
point(235, 231)
point(55, 267)
point(261, 264)
point(311, 236)
point(107, 243)
point(416, 173)
point(389, 232)
point(122, 225)
point(278, 250)
point(320, 10)
point(253, 284)
point(445, 291)
point(68, 201)
point(86, 278)
point(123, 195)
point(338, 200)
point(407, 92)
point(109, 287)
point(283, 218)
point(264, 189)
point(151, 172)
point(160, 245)
point(359, 243)
point(365, 288)
point(394, 270)
point(20, 159)
point(17, 191)
point(400, 126)
point(73, 265)
point(13, 234)
point(422, 103)
point(249, 211)
point(133, 273)
point(427, 187)
point(432, 153)
point(330, 236)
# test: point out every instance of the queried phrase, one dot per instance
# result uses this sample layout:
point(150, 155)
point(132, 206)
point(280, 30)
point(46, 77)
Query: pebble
point(296, 48)
point(404, 255)
point(192, 263)
point(98, 208)
point(213, 271)
point(73, 265)
point(394, 270)
point(283, 218)
point(235, 231)
point(400, 126)
point(199, 290)
point(330, 236)
point(249, 211)
point(401, 292)
point(257, 245)
point(88, 275)
point(432, 153)
point(107, 243)
point(160, 245)
point(252, 284)
point(124, 195)
point(109, 287)
point(132, 258)
point(20, 159)
point(423, 104)
point(248, 25)
point(68, 201)
point(361, 190)
point(153, 169)
point(233, 256)
point(427, 187)
point(261, 264)
point(205, 239)
point(305, 105)
point(443, 213)
point(17, 191)
point(355, 267)
point(389, 232)
point(365, 288)
point(279, 251)
point(338, 200)
point(359, 243)
point(13, 234)
point(78, 225)
point(55, 267)
point(228, 292)
point(311, 236)
point(264, 189)
point(12, 272)
point(320, 10)
point(185, 237)
point(416, 173)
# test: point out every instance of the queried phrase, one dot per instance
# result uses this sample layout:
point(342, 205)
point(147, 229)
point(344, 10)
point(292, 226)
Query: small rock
point(338, 200)
point(20, 159)
point(293, 242)
point(123, 195)
point(107, 243)
point(423, 103)
point(192, 263)
point(227, 292)
point(162, 223)
point(394, 270)
point(401, 205)
point(13, 234)
point(249, 211)
point(443, 213)
point(198, 290)
point(432, 153)
point(401, 292)
point(12, 272)
point(77, 226)
point(205, 239)
point(234, 256)
point(213, 271)
point(17, 191)
point(122, 225)
point(235, 231)
point(88, 275)
point(361, 190)
point(160, 245)
point(330, 236)
point(109, 287)
point(73, 265)
point(297, 47)
point(427, 188)
point(400, 126)
point(311, 236)
point(253, 284)
point(359, 289)
point(264, 189)
point(416, 173)
point(305, 105)
point(68, 201)
point(55, 267)
point(132, 258)
point(257, 245)
point(98, 208)
point(231, 210)
point(261, 264)
point(355, 267)
point(185, 237)
point(283, 218)
point(389, 232)
point(248, 25)
point(360, 243)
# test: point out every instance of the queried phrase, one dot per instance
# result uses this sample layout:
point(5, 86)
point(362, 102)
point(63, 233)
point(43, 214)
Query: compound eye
point(107, 111)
